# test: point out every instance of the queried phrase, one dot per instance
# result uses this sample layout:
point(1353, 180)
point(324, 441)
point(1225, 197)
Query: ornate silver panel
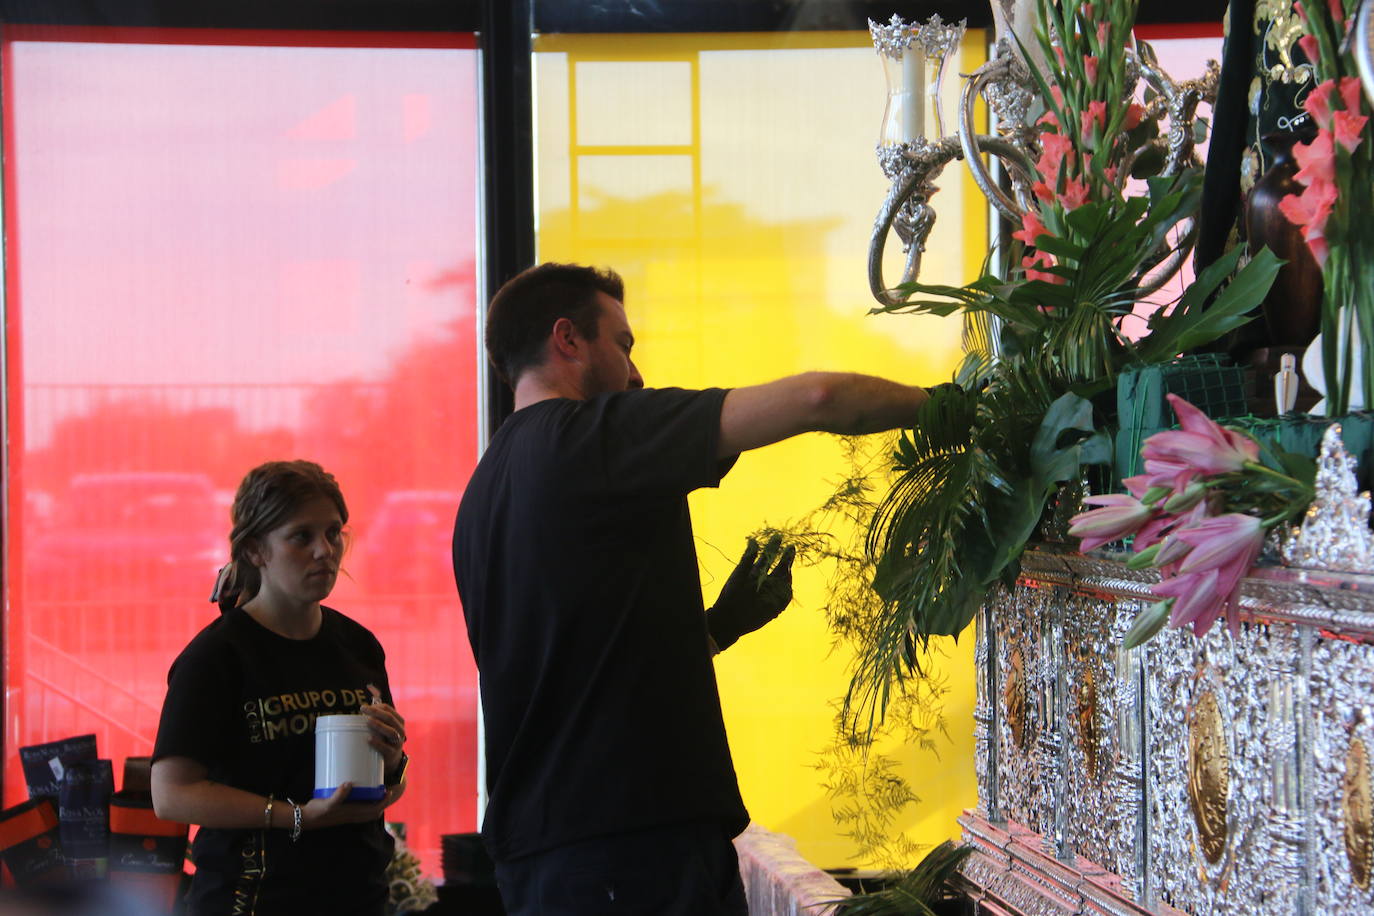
point(1103, 776)
point(1023, 792)
point(985, 718)
point(1224, 811)
point(1257, 749)
point(1342, 734)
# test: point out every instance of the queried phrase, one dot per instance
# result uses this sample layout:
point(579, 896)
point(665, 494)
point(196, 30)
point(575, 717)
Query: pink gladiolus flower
point(1055, 149)
point(1135, 113)
point(1090, 64)
point(1348, 129)
point(1094, 121)
point(1056, 93)
point(1309, 47)
point(1031, 228)
point(1318, 102)
point(1317, 160)
point(1119, 516)
point(1043, 192)
point(1310, 210)
point(1103, 30)
point(1075, 194)
point(1337, 9)
point(1050, 120)
point(1298, 8)
point(1351, 90)
point(1040, 259)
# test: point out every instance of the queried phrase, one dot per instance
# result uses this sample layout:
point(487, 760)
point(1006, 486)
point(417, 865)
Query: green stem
point(1265, 469)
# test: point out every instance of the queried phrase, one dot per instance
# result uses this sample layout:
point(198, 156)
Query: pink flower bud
point(1119, 516)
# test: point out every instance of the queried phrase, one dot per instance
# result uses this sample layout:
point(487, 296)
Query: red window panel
point(225, 248)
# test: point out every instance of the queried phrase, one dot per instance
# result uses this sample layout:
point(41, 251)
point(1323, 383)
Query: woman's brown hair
point(267, 497)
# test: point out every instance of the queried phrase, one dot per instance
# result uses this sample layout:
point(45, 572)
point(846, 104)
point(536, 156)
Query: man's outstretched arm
point(833, 402)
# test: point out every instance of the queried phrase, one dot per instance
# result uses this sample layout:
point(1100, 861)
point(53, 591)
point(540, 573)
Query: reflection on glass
point(229, 254)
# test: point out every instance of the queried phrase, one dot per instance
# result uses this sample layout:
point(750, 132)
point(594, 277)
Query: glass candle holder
point(915, 61)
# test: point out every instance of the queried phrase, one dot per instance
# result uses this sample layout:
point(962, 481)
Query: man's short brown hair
point(524, 309)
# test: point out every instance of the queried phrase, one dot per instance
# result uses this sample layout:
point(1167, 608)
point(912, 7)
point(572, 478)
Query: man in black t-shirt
point(611, 788)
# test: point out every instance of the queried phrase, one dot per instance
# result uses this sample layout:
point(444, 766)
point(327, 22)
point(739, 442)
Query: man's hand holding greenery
point(756, 592)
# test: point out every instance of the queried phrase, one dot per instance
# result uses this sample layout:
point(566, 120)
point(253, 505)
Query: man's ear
point(567, 343)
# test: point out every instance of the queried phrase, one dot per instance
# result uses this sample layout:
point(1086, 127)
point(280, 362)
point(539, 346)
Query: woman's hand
point(388, 730)
point(335, 810)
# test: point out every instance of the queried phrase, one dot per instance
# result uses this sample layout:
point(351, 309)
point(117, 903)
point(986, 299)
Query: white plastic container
point(342, 755)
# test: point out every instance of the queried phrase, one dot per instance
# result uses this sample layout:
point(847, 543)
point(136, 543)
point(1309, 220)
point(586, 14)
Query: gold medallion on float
point(1208, 776)
point(1087, 720)
point(1014, 698)
point(1357, 814)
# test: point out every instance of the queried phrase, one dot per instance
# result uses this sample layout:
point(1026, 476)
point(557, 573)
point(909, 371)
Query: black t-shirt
point(242, 700)
point(574, 557)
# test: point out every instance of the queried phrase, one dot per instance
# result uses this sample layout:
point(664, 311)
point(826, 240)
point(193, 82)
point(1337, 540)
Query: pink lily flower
point(1201, 447)
point(1222, 542)
point(1171, 553)
point(1159, 529)
point(1224, 550)
point(1119, 516)
point(1186, 498)
point(1166, 472)
point(1196, 600)
point(1138, 485)
point(1153, 531)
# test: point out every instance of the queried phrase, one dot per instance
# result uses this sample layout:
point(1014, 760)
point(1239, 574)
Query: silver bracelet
point(295, 820)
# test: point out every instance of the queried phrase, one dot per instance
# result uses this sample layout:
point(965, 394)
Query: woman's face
point(299, 560)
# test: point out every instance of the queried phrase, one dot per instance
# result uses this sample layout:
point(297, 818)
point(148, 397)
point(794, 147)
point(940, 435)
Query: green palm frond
point(916, 893)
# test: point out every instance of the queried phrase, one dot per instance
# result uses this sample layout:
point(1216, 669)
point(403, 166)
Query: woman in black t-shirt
point(235, 745)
